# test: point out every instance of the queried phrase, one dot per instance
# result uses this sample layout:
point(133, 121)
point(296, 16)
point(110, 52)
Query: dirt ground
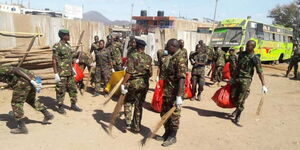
point(203, 124)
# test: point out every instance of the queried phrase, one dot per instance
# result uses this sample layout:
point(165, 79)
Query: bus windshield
point(227, 37)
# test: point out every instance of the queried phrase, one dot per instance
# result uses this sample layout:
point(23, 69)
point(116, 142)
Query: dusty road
point(203, 124)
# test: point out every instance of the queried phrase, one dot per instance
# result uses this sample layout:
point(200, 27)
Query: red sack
point(79, 73)
point(187, 90)
point(226, 71)
point(222, 97)
point(124, 60)
point(157, 97)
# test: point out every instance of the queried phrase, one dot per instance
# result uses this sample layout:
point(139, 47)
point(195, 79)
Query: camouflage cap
point(64, 31)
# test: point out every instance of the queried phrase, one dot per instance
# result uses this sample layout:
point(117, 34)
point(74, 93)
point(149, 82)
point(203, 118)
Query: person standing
point(136, 85)
point(220, 63)
point(294, 62)
point(240, 86)
point(95, 45)
point(184, 51)
point(173, 73)
point(198, 60)
point(64, 75)
point(25, 85)
point(114, 52)
point(103, 67)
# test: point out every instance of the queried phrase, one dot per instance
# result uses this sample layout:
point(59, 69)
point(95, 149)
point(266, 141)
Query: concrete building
point(147, 24)
point(11, 8)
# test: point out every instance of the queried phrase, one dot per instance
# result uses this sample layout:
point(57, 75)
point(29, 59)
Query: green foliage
point(287, 15)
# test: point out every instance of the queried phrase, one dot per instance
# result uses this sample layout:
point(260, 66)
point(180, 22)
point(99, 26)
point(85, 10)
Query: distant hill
point(98, 17)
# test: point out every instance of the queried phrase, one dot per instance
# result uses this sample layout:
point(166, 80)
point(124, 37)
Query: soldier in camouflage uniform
point(115, 53)
point(198, 60)
point(103, 67)
point(173, 73)
point(139, 70)
point(84, 61)
point(294, 62)
point(131, 47)
point(161, 57)
point(95, 45)
point(63, 70)
point(220, 63)
point(24, 87)
point(184, 51)
point(232, 59)
point(118, 42)
point(240, 88)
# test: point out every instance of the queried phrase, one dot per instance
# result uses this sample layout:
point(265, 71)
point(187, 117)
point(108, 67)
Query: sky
point(121, 9)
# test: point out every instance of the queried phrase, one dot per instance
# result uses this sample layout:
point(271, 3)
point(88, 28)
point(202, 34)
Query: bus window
point(266, 36)
point(277, 38)
point(284, 39)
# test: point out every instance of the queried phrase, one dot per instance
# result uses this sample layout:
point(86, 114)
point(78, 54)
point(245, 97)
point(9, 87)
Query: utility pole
point(215, 14)
point(131, 23)
point(28, 3)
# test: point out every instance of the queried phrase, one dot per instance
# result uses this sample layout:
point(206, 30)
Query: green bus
point(274, 43)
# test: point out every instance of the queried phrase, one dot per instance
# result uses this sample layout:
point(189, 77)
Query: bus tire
point(281, 58)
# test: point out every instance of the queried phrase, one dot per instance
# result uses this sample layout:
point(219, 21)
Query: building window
point(13, 9)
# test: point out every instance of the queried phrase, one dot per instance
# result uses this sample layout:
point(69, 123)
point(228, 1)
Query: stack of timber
point(38, 60)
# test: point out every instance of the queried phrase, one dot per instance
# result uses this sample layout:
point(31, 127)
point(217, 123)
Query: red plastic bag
point(79, 73)
point(124, 60)
point(222, 97)
point(187, 90)
point(226, 71)
point(157, 97)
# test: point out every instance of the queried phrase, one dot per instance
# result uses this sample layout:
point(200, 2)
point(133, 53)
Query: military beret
point(140, 42)
point(64, 31)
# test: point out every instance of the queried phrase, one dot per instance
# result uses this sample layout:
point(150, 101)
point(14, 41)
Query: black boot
point(171, 139)
point(61, 110)
point(233, 115)
point(75, 107)
point(21, 128)
point(164, 137)
point(47, 116)
point(237, 117)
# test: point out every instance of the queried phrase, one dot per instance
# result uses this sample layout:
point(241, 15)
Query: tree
point(288, 16)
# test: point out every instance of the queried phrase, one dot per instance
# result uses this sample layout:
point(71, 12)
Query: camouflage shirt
point(94, 47)
point(63, 54)
point(195, 58)
point(115, 53)
point(9, 78)
point(220, 62)
point(140, 69)
point(246, 64)
point(232, 59)
point(130, 51)
point(174, 68)
point(184, 53)
point(103, 59)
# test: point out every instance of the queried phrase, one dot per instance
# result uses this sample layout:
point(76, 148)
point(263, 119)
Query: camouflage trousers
point(102, 77)
point(198, 80)
point(294, 63)
point(239, 91)
point(217, 74)
point(24, 92)
point(66, 85)
point(134, 98)
point(173, 122)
